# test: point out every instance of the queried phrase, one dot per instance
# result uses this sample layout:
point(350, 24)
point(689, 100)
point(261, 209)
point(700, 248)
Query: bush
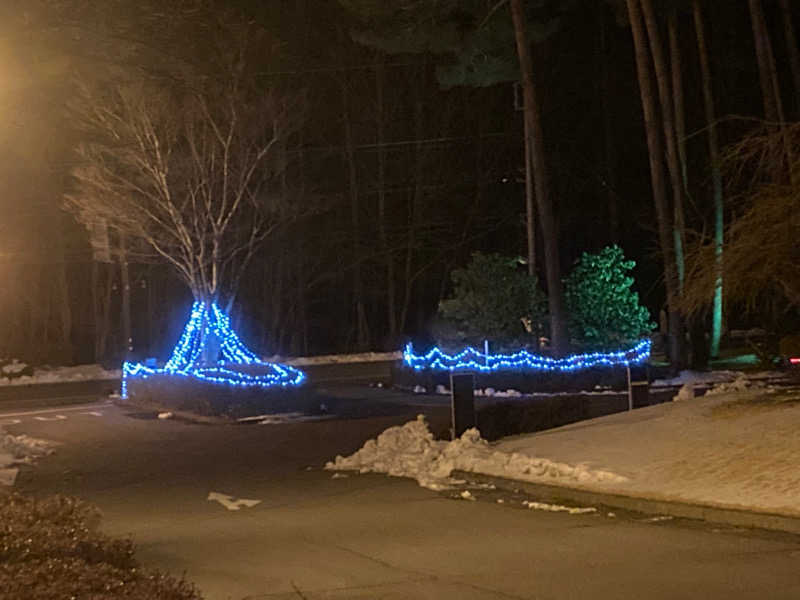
point(491, 301)
point(604, 312)
point(51, 549)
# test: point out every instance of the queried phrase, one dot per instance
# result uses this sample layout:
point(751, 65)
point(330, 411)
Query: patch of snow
point(559, 508)
point(339, 476)
point(17, 450)
point(280, 418)
point(736, 447)
point(466, 495)
point(685, 393)
point(440, 389)
point(740, 384)
point(165, 415)
point(410, 451)
point(508, 394)
point(698, 378)
point(15, 366)
point(419, 389)
point(64, 374)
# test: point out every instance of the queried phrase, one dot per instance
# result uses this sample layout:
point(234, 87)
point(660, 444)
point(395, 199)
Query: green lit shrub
point(604, 311)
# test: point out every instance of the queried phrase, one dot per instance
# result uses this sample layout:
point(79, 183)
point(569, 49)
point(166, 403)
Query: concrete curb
point(703, 512)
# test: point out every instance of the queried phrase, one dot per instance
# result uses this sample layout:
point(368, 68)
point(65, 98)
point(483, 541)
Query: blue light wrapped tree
point(230, 363)
point(193, 171)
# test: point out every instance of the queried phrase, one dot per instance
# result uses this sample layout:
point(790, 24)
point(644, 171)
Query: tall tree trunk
point(416, 199)
point(530, 209)
point(125, 285)
point(388, 257)
point(768, 76)
point(791, 50)
point(102, 285)
point(555, 292)
point(716, 174)
point(670, 137)
point(63, 299)
point(362, 328)
point(765, 69)
point(655, 151)
point(610, 148)
point(678, 98)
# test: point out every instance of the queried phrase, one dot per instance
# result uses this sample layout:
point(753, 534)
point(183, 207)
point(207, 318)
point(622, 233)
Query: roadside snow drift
point(410, 451)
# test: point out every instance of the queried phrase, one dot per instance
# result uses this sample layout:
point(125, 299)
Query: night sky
point(402, 155)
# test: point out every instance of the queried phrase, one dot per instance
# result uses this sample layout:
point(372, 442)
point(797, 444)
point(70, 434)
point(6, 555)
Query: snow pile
point(16, 450)
point(25, 449)
point(685, 393)
point(12, 368)
point(740, 384)
point(698, 378)
point(410, 451)
point(62, 374)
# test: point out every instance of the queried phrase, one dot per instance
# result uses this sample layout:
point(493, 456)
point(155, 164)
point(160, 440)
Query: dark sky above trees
point(409, 158)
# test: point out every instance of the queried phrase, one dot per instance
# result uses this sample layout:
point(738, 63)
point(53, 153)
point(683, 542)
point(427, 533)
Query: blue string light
point(471, 359)
point(204, 322)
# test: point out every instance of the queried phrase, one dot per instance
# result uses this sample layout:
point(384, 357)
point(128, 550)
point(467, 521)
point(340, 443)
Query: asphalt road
point(314, 536)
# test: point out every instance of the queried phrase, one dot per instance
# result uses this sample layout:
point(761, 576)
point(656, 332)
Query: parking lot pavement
point(246, 511)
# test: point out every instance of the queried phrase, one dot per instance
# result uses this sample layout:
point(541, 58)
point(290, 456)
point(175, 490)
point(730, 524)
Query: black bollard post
point(462, 389)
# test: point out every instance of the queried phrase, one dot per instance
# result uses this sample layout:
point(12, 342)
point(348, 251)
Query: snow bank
point(736, 446)
point(62, 374)
point(410, 451)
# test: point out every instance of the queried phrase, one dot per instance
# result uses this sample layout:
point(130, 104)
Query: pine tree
point(493, 300)
point(604, 311)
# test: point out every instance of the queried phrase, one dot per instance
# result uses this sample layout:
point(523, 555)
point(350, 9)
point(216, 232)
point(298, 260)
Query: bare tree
point(761, 251)
point(192, 173)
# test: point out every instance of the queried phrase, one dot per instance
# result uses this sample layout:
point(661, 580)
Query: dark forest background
point(402, 177)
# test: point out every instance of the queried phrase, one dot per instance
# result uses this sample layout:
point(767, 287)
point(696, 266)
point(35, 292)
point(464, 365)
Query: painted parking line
point(10, 422)
point(55, 418)
point(47, 411)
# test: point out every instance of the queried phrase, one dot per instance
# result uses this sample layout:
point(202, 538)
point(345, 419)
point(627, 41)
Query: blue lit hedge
point(471, 359)
point(186, 359)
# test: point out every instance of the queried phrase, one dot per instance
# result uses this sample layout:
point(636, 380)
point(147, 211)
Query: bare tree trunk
point(530, 209)
point(610, 149)
point(62, 295)
point(670, 137)
point(680, 111)
point(125, 290)
point(101, 302)
point(555, 292)
point(768, 75)
point(716, 174)
point(362, 328)
point(791, 49)
point(765, 69)
point(388, 258)
point(416, 200)
point(655, 151)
